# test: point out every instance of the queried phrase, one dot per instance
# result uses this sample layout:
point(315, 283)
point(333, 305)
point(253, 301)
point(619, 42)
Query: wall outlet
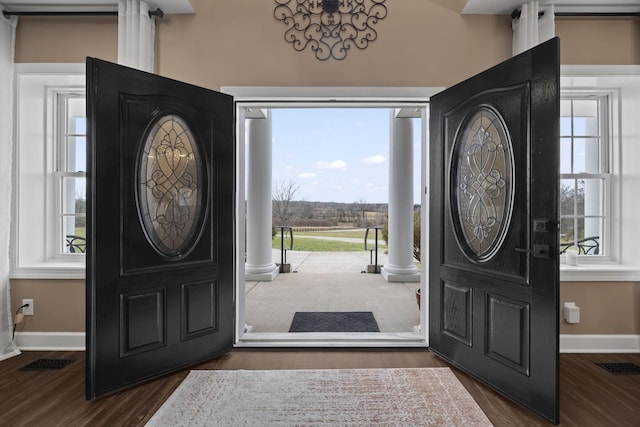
point(27, 311)
point(571, 312)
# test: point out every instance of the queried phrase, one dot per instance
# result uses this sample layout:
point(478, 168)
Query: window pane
point(76, 154)
point(73, 195)
point(592, 197)
point(583, 152)
point(586, 155)
point(592, 228)
point(76, 106)
point(77, 125)
point(585, 117)
point(565, 155)
point(566, 233)
point(579, 195)
point(71, 147)
point(567, 195)
point(73, 234)
point(589, 237)
point(565, 126)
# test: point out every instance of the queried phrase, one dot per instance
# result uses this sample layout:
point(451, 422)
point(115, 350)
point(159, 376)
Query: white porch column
point(259, 264)
point(400, 266)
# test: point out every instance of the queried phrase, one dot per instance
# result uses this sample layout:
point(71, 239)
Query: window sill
point(67, 270)
point(601, 272)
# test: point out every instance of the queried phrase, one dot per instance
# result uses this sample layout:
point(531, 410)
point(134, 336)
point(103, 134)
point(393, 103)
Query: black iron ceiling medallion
point(330, 27)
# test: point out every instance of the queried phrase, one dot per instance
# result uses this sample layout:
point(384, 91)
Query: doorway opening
point(257, 298)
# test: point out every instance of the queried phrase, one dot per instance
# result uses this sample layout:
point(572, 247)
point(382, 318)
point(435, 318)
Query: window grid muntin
point(604, 167)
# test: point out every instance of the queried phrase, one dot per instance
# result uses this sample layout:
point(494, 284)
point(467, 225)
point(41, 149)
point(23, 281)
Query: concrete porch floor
point(330, 281)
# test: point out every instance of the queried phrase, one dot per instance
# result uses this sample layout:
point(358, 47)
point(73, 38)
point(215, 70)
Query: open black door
point(160, 226)
point(493, 263)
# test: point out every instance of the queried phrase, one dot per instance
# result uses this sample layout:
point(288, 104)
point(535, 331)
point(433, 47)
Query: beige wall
point(66, 39)
point(59, 305)
point(239, 43)
point(599, 41)
point(605, 308)
point(421, 43)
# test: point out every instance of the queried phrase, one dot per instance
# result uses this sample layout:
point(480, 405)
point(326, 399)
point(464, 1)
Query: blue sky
point(580, 146)
point(333, 154)
point(336, 154)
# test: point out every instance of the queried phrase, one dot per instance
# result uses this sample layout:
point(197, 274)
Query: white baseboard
point(599, 343)
point(50, 341)
point(75, 341)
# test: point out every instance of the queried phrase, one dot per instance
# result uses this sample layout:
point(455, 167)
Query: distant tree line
point(288, 211)
point(329, 214)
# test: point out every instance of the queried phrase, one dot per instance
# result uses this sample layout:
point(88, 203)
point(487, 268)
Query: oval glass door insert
point(169, 186)
point(482, 176)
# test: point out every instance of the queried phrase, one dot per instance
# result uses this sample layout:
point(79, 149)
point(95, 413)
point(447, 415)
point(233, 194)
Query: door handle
point(538, 251)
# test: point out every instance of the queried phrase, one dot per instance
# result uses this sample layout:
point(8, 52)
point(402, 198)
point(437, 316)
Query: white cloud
point(377, 159)
point(376, 189)
point(336, 164)
point(307, 175)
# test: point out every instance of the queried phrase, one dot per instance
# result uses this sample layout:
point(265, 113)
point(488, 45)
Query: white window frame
point(608, 241)
point(59, 96)
point(61, 135)
point(35, 235)
point(622, 82)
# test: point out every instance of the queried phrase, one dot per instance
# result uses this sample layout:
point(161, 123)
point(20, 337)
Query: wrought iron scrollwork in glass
point(330, 27)
point(169, 186)
point(482, 183)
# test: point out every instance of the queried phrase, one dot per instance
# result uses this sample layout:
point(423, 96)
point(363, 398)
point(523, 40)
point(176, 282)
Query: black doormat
point(46, 364)
point(332, 321)
point(622, 368)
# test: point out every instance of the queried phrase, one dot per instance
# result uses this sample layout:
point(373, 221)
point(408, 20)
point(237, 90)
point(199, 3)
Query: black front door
point(160, 226)
point(493, 265)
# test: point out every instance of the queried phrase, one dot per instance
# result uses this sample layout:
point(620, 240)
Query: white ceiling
point(505, 7)
point(167, 6)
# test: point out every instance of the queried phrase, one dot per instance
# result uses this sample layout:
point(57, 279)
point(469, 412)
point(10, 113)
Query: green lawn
point(317, 245)
point(354, 234)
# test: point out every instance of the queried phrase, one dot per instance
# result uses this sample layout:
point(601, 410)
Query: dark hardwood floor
point(590, 396)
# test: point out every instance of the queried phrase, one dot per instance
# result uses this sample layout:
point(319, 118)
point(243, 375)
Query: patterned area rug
point(334, 321)
point(325, 397)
